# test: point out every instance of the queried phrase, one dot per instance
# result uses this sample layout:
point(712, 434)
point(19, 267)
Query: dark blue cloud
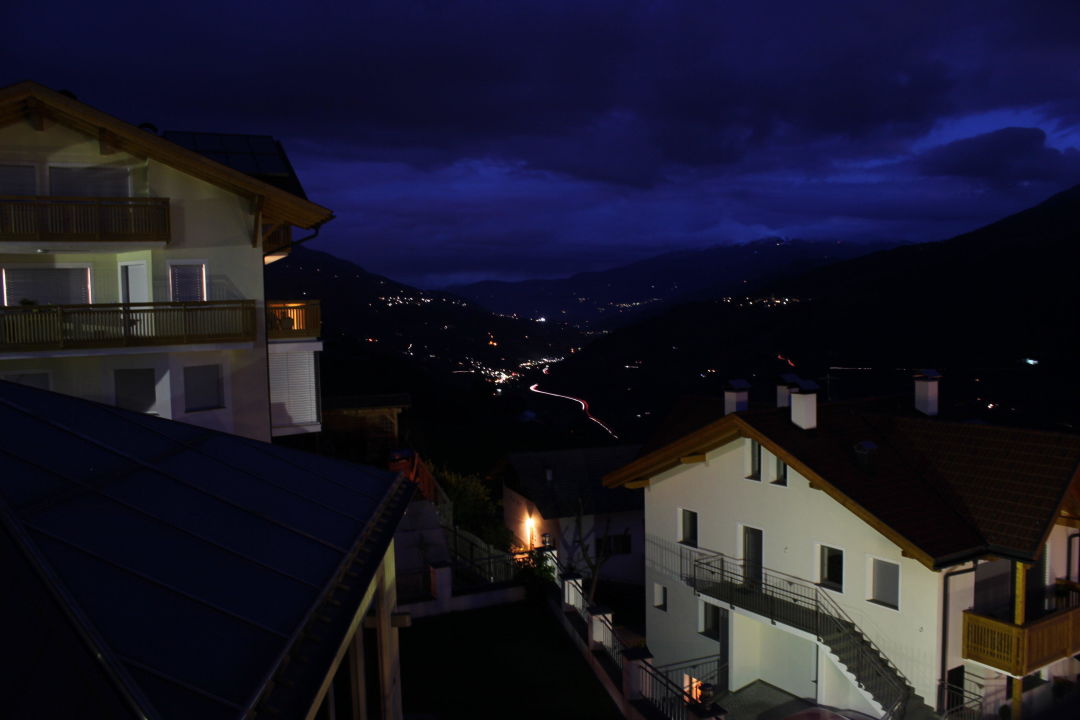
point(536, 137)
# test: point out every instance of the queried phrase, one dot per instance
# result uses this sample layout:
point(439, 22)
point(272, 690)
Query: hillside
point(977, 306)
point(623, 294)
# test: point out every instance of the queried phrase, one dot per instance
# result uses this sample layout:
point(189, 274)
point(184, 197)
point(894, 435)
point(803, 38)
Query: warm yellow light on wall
point(530, 528)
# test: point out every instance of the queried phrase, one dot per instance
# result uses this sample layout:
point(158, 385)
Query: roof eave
point(277, 204)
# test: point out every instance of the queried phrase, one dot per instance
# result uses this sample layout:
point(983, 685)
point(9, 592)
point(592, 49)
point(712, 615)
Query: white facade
point(795, 522)
point(699, 508)
point(210, 245)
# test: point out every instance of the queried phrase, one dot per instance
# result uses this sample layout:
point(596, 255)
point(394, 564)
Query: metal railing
point(44, 219)
point(708, 669)
point(803, 605)
point(293, 320)
point(612, 646)
point(969, 704)
point(669, 698)
point(104, 325)
point(476, 561)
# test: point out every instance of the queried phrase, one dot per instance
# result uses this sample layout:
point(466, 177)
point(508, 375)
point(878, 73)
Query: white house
point(865, 555)
point(558, 494)
point(131, 271)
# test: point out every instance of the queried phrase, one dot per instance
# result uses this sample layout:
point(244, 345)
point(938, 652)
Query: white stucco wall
point(208, 224)
point(796, 520)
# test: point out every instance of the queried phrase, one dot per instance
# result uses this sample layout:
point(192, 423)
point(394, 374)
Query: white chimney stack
point(926, 392)
point(804, 405)
point(736, 396)
point(788, 381)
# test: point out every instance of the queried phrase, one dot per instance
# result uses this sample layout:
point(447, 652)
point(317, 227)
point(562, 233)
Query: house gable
point(40, 106)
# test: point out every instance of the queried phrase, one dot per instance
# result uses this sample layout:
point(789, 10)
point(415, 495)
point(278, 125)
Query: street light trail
point(584, 407)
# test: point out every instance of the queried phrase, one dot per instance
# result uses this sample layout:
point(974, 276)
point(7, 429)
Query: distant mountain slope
point(617, 296)
point(434, 328)
point(990, 298)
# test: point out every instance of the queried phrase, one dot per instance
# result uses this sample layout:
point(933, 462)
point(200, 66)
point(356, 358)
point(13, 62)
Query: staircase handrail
point(869, 655)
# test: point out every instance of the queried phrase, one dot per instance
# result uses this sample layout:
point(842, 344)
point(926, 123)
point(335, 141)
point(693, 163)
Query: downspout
point(945, 633)
point(1069, 556)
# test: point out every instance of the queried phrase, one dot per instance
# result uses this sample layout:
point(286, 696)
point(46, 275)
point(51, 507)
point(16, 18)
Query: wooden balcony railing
point(293, 320)
point(1021, 649)
point(63, 327)
point(75, 219)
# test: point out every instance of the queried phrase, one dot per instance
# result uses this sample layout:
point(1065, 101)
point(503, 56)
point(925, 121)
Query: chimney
point(804, 405)
point(736, 396)
point(926, 392)
point(784, 386)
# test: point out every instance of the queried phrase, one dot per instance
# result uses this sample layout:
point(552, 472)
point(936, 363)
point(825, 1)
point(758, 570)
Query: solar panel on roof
point(236, 143)
point(242, 161)
point(209, 142)
point(263, 144)
point(272, 164)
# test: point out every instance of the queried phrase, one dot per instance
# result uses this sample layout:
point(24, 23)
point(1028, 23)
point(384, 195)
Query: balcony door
point(753, 554)
point(134, 283)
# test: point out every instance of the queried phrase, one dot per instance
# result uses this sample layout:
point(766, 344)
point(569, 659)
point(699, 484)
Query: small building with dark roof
point(864, 554)
point(161, 570)
point(544, 493)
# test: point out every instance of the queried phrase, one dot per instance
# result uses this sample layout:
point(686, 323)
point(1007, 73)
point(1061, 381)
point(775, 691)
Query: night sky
point(463, 140)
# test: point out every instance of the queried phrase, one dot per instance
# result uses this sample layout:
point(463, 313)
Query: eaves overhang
point(29, 100)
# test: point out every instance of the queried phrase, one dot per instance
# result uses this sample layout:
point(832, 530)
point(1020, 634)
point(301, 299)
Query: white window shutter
point(294, 389)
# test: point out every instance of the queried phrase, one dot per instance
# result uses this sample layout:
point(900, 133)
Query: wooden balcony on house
point(107, 325)
point(293, 320)
point(1020, 650)
point(41, 219)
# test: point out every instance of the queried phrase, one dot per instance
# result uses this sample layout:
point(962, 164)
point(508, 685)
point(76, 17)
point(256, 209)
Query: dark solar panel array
point(195, 554)
point(260, 156)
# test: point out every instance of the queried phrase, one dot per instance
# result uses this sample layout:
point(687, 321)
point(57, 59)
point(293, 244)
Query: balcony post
point(1019, 600)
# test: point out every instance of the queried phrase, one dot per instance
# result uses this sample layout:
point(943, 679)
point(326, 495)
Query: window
point(659, 596)
point(96, 181)
point(885, 584)
point(613, 545)
point(39, 285)
point(18, 180)
point(781, 473)
point(710, 620)
point(755, 461)
point(202, 388)
point(135, 389)
point(688, 528)
point(187, 282)
point(832, 568)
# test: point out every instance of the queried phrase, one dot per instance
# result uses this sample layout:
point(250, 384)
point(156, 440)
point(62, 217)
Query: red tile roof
point(946, 491)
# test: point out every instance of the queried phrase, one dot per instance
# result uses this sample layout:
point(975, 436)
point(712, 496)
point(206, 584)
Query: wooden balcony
point(108, 325)
point(293, 320)
point(1021, 649)
point(83, 219)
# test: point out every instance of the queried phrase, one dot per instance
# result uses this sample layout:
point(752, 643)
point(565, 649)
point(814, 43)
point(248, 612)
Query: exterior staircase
point(805, 606)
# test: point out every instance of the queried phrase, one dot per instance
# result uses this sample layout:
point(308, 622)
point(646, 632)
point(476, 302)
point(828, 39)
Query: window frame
point(660, 597)
point(823, 568)
point(170, 264)
point(871, 574)
point(754, 461)
point(704, 609)
point(89, 267)
point(780, 473)
point(222, 390)
point(681, 520)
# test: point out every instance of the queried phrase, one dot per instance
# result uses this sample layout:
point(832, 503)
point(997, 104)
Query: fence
point(103, 325)
point(293, 320)
point(53, 219)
